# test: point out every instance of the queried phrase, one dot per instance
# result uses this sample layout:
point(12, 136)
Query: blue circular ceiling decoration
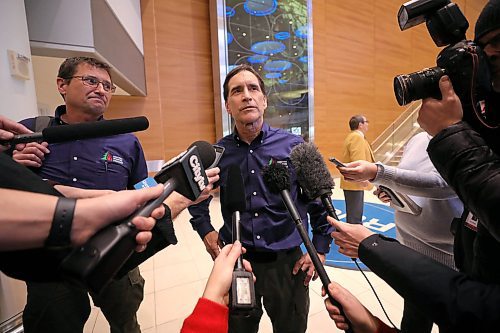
point(230, 11)
point(277, 65)
point(230, 38)
point(282, 35)
point(257, 59)
point(261, 7)
point(303, 59)
point(275, 75)
point(301, 32)
point(268, 47)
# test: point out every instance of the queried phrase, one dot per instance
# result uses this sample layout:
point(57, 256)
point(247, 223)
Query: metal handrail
point(390, 141)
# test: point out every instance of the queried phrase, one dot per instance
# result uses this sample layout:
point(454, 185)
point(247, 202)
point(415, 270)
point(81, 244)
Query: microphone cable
point(374, 292)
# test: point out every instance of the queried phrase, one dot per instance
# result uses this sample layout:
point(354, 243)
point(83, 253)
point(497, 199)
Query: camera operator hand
point(436, 115)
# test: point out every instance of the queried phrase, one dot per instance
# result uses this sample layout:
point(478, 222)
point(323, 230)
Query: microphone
point(313, 175)
point(242, 287)
point(96, 262)
point(80, 131)
point(277, 179)
point(186, 171)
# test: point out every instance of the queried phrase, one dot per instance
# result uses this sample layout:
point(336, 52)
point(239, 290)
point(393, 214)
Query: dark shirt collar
point(60, 110)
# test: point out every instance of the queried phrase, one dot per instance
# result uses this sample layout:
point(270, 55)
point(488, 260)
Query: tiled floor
point(175, 279)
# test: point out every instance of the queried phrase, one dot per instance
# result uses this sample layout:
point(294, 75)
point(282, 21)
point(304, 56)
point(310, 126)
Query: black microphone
point(80, 131)
point(242, 294)
point(277, 179)
point(183, 173)
point(96, 262)
point(313, 175)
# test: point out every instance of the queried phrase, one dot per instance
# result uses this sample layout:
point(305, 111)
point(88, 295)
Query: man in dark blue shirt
point(109, 163)
point(267, 230)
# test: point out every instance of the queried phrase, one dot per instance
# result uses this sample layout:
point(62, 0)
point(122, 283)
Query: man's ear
point(62, 85)
point(227, 108)
point(265, 102)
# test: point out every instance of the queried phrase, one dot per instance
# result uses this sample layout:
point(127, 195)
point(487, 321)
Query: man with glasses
point(108, 163)
point(356, 148)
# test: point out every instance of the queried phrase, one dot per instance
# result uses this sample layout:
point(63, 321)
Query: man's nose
point(246, 94)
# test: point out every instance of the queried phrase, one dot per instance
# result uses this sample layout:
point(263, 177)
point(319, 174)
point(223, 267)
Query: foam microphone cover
point(94, 129)
point(313, 175)
point(235, 190)
point(206, 151)
point(276, 177)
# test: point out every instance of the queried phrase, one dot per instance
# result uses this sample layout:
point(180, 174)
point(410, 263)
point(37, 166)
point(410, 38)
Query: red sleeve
point(207, 316)
point(383, 328)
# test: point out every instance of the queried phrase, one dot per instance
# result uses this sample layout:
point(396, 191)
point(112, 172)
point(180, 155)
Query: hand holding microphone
point(96, 262)
point(32, 147)
point(277, 179)
point(8, 129)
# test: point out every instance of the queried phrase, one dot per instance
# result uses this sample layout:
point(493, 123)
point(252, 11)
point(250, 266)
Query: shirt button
point(258, 237)
point(251, 151)
point(254, 193)
point(75, 158)
point(256, 214)
point(74, 179)
point(253, 171)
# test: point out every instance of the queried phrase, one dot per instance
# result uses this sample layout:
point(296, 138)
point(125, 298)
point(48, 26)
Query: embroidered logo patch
point(110, 158)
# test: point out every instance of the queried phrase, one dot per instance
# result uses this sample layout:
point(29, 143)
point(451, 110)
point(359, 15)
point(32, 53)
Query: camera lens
point(418, 85)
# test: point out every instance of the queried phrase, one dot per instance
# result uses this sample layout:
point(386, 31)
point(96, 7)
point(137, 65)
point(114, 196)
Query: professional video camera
point(462, 60)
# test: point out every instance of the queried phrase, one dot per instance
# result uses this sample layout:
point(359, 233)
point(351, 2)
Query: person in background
point(355, 148)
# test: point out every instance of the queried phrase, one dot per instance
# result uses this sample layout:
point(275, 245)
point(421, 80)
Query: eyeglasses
point(92, 81)
point(366, 121)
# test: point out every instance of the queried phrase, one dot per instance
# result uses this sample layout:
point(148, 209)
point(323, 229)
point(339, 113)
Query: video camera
point(462, 60)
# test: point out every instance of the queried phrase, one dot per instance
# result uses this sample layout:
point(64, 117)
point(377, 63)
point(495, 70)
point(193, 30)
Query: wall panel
point(358, 49)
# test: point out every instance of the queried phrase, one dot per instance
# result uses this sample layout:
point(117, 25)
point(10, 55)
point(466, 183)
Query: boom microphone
point(96, 262)
point(313, 175)
point(80, 131)
point(277, 179)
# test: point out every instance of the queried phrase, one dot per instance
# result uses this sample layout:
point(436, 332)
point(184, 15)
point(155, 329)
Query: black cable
point(374, 292)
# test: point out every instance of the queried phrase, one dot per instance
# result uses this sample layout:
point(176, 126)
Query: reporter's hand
point(359, 171)
point(436, 115)
point(306, 265)
point(382, 196)
point(348, 236)
point(177, 202)
point(94, 214)
point(213, 177)
point(361, 319)
point(219, 281)
point(8, 128)
point(31, 155)
point(211, 241)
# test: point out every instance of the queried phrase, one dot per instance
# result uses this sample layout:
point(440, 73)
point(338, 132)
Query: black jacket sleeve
point(472, 169)
point(454, 301)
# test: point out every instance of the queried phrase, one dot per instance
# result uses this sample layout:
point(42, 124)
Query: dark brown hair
point(235, 71)
point(68, 67)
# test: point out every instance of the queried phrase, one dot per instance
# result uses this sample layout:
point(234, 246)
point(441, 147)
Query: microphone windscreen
point(235, 190)
point(206, 151)
point(94, 129)
point(276, 177)
point(313, 175)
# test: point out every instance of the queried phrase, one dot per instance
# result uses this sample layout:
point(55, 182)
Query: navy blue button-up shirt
point(113, 163)
point(266, 225)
